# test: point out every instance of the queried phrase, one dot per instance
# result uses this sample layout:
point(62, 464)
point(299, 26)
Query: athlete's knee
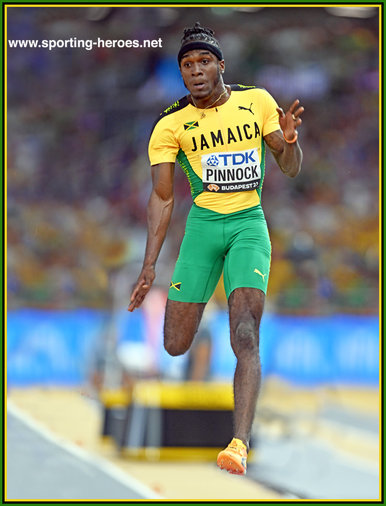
point(174, 348)
point(246, 337)
point(175, 343)
point(181, 323)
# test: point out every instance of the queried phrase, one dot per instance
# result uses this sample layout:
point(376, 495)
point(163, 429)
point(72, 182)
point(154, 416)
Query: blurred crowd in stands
point(78, 176)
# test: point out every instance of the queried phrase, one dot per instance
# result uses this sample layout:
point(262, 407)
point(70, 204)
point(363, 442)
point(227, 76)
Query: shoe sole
point(226, 462)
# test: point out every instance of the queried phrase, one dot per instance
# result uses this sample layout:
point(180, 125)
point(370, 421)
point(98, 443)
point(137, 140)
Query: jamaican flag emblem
point(190, 125)
point(177, 286)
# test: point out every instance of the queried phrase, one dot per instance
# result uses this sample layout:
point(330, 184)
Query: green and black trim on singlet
point(177, 106)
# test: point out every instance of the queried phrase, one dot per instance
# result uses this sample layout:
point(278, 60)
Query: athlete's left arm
point(288, 155)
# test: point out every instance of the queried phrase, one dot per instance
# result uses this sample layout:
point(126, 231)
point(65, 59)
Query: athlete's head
point(201, 61)
point(199, 37)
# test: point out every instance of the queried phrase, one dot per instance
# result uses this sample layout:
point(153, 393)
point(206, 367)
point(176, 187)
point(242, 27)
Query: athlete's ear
point(222, 66)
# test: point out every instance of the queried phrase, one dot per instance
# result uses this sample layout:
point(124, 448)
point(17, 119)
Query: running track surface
point(40, 467)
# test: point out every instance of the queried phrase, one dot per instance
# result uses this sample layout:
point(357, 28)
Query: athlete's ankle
point(244, 441)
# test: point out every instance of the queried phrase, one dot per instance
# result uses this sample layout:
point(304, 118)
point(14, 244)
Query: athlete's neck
point(218, 97)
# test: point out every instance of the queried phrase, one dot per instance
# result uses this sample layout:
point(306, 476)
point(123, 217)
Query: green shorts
point(237, 243)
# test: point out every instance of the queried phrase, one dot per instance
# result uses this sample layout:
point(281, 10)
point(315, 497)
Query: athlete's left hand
point(290, 120)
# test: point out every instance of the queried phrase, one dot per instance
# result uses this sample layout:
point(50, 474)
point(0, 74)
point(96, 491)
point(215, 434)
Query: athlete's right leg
point(181, 324)
point(194, 279)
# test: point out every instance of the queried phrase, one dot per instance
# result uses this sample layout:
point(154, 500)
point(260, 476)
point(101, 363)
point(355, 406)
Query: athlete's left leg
point(246, 271)
point(245, 312)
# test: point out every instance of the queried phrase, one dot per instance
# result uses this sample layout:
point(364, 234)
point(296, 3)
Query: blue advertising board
point(58, 347)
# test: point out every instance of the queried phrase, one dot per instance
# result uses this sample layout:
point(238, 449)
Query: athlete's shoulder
point(257, 93)
point(172, 109)
point(244, 88)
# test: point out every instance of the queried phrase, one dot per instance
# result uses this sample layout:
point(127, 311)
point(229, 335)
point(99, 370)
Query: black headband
point(199, 44)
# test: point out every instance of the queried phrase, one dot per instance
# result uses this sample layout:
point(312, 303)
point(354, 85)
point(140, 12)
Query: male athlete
point(218, 135)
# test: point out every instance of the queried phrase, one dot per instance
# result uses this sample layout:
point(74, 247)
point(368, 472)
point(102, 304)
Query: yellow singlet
point(220, 149)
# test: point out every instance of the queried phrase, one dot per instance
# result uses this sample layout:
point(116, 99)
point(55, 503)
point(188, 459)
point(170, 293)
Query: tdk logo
point(213, 161)
point(234, 159)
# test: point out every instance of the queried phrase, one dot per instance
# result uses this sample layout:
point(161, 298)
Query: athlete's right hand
point(143, 285)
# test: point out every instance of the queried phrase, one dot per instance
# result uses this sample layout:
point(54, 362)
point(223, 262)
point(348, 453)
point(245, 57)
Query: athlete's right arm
point(159, 211)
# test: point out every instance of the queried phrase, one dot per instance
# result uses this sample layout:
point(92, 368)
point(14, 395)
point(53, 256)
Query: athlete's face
point(201, 71)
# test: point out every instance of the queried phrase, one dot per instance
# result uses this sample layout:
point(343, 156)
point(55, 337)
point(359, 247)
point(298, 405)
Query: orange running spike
point(234, 458)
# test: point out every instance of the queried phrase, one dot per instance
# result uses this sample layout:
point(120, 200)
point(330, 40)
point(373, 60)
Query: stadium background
point(78, 183)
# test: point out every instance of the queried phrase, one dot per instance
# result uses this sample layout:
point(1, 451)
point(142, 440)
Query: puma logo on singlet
point(260, 273)
point(242, 108)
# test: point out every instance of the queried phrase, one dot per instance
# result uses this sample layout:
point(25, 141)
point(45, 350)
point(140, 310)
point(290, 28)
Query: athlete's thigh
point(248, 260)
point(181, 323)
point(199, 264)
